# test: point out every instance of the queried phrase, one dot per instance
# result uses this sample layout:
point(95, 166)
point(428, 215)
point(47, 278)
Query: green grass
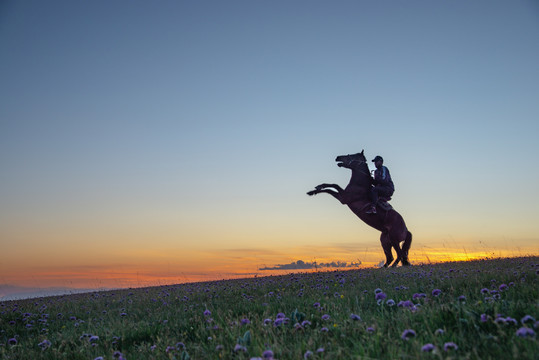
point(169, 322)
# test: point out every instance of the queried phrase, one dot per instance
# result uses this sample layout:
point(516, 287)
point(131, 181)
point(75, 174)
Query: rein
point(360, 162)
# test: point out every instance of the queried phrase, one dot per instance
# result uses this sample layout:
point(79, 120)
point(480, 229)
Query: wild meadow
point(484, 309)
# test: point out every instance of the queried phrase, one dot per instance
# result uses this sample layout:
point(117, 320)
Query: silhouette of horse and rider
point(368, 198)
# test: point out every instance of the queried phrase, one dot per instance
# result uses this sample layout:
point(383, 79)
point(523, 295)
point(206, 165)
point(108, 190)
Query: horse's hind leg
point(386, 245)
point(406, 248)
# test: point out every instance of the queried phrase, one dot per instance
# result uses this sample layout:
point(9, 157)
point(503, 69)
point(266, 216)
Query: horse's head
point(351, 161)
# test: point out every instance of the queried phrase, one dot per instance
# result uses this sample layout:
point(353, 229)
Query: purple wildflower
point(510, 320)
point(380, 296)
point(267, 322)
point(419, 296)
point(239, 348)
point(305, 323)
point(390, 302)
point(377, 291)
point(45, 344)
point(93, 338)
point(525, 332)
point(245, 321)
point(325, 317)
point(407, 304)
point(526, 319)
point(12, 341)
point(427, 348)
point(484, 291)
point(462, 298)
point(307, 354)
point(207, 313)
point(355, 317)
point(503, 287)
point(484, 318)
point(450, 346)
point(439, 332)
point(436, 292)
point(370, 329)
point(324, 329)
point(320, 350)
point(408, 333)
point(268, 354)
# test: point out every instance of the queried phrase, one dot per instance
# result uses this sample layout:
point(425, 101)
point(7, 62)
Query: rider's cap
point(378, 157)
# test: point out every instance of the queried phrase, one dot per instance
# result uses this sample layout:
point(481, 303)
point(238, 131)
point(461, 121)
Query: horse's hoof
point(311, 193)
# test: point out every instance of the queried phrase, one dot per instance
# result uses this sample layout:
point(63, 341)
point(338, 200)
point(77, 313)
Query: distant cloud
point(302, 265)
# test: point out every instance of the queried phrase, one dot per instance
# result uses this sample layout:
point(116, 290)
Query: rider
point(383, 185)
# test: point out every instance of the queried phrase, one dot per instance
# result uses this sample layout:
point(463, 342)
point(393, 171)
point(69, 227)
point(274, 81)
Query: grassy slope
point(170, 321)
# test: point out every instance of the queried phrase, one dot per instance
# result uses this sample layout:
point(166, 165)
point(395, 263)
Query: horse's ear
point(362, 151)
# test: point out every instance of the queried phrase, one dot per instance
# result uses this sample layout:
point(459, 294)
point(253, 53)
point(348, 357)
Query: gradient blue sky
point(176, 140)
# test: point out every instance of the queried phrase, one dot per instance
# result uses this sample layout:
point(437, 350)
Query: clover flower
point(239, 348)
point(525, 332)
point(526, 319)
point(45, 344)
point(408, 333)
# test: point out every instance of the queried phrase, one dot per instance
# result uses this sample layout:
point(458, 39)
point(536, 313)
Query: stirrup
point(371, 210)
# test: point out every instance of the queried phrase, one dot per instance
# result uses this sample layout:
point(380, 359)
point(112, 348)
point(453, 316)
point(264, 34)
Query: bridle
point(350, 162)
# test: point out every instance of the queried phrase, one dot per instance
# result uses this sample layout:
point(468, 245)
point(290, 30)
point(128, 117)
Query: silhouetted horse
point(357, 197)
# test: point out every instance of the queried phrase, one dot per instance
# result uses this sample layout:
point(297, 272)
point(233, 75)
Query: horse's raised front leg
point(334, 186)
point(335, 194)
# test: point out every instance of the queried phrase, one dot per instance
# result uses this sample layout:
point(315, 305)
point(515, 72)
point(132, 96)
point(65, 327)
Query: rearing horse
point(357, 196)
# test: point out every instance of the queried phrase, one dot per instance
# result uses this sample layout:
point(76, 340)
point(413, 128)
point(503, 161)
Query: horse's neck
point(360, 180)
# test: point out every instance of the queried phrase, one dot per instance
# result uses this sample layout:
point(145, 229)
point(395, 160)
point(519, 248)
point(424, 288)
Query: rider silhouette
point(383, 185)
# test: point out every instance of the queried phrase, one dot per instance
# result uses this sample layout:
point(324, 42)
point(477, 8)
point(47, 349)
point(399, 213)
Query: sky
point(146, 143)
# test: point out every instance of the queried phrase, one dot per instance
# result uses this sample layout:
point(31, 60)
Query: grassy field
point(485, 309)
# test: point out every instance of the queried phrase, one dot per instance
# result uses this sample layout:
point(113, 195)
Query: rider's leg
point(374, 200)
